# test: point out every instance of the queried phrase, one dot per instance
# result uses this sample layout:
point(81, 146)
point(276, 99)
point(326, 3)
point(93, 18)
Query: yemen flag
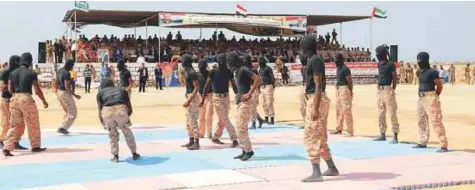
point(379, 13)
point(240, 10)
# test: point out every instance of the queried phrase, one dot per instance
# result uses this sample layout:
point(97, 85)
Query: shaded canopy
point(131, 19)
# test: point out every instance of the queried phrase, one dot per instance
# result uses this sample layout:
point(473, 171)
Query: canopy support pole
point(200, 33)
point(217, 39)
point(159, 37)
point(75, 36)
point(341, 33)
point(371, 33)
point(146, 33)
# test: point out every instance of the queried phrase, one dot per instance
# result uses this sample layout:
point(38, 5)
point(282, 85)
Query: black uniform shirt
point(266, 75)
point(202, 77)
point(221, 79)
point(341, 74)
point(4, 76)
point(63, 75)
point(124, 78)
point(111, 96)
point(22, 79)
point(190, 76)
point(315, 65)
point(426, 80)
point(385, 70)
point(243, 82)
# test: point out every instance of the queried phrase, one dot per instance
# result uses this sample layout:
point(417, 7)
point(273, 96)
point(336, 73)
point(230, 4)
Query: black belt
point(424, 94)
point(338, 86)
point(221, 95)
point(384, 86)
point(114, 104)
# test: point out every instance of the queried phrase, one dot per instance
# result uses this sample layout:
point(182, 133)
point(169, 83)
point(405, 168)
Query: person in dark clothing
point(206, 109)
point(143, 77)
point(158, 77)
point(87, 78)
point(247, 60)
point(267, 88)
point(125, 78)
point(285, 74)
point(192, 103)
point(65, 96)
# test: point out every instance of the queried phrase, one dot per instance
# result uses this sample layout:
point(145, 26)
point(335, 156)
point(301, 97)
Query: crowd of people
point(130, 48)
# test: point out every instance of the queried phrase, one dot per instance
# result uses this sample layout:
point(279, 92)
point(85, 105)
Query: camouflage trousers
point(192, 116)
point(5, 108)
point(116, 117)
point(344, 110)
point(69, 106)
point(267, 96)
point(221, 106)
point(428, 109)
point(23, 109)
point(302, 102)
point(255, 103)
point(206, 116)
point(387, 102)
point(315, 132)
point(243, 116)
point(129, 92)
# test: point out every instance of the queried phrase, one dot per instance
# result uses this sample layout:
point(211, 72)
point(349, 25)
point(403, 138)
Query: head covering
point(26, 59)
point(247, 61)
point(69, 65)
point(14, 62)
point(423, 60)
point(340, 60)
point(202, 64)
point(106, 82)
point(262, 62)
point(308, 46)
point(221, 59)
point(121, 65)
point(187, 61)
point(382, 53)
point(233, 60)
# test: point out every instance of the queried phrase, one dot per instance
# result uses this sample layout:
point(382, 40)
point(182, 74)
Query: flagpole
point(371, 33)
point(341, 33)
point(159, 37)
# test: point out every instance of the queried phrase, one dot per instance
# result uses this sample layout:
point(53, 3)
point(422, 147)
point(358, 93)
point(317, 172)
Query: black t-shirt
point(426, 80)
point(22, 79)
point(221, 79)
point(5, 76)
point(202, 77)
point(266, 75)
point(112, 96)
point(158, 73)
point(385, 70)
point(63, 75)
point(243, 82)
point(190, 76)
point(315, 65)
point(304, 75)
point(341, 74)
point(124, 78)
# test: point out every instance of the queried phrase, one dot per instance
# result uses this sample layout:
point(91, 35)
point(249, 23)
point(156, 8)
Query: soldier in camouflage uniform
point(246, 89)
point(206, 110)
point(344, 97)
point(22, 106)
point(316, 117)
point(192, 103)
point(114, 112)
point(267, 88)
point(255, 97)
point(303, 96)
point(428, 109)
point(65, 96)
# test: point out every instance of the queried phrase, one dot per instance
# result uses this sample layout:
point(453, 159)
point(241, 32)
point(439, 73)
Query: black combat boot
point(63, 131)
point(442, 150)
point(253, 126)
point(337, 132)
point(420, 146)
point(1, 144)
point(217, 141)
point(19, 147)
point(195, 145)
point(189, 143)
point(271, 121)
point(135, 156)
point(235, 144)
point(332, 170)
point(240, 156)
point(260, 120)
point(395, 140)
point(247, 156)
point(381, 138)
point(316, 175)
point(38, 149)
point(266, 120)
point(7, 153)
point(115, 158)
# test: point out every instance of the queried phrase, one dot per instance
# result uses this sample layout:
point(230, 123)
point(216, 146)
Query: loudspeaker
point(393, 53)
point(41, 52)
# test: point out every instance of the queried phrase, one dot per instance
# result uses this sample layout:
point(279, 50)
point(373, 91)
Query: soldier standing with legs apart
point(303, 96)
point(125, 78)
point(65, 96)
point(428, 109)
point(22, 106)
point(344, 97)
point(255, 97)
point(452, 74)
point(316, 116)
point(5, 104)
point(192, 103)
point(206, 110)
point(387, 81)
point(267, 86)
point(246, 89)
point(115, 110)
point(220, 78)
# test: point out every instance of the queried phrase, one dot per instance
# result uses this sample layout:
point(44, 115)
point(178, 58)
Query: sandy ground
point(162, 107)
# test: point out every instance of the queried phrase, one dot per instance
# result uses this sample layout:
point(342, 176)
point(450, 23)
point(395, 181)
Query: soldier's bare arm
point(11, 88)
point(439, 86)
point(233, 84)
point(395, 79)
point(207, 86)
point(317, 78)
point(39, 93)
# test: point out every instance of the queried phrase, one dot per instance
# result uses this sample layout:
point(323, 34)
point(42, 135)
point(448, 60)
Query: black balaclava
point(382, 53)
point(233, 60)
point(26, 60)
point(423, 60)
point(203, 65)
point(106, 83)
point(221, 59)
point(340, 60)
point(247, 60)
point(303, 60)
point(186, 61)
point(121, 65)
point(14, 63)
point(308, 46)
point(69, 65)
point(262, 62)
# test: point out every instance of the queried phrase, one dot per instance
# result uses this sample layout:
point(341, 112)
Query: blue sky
point(444, 29)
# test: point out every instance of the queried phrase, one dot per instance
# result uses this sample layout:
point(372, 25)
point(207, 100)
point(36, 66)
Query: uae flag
point(379, 13)
point(240, 10)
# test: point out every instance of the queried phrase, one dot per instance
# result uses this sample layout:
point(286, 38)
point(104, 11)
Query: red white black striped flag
point(240, 10)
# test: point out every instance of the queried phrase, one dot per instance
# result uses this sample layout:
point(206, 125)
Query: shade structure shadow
point(289, 157)
point(56, 151)
point(147, 161)
point(364, 176)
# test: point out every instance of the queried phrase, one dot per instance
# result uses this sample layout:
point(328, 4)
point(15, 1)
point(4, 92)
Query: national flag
point(379, 13)
point(240, 10)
